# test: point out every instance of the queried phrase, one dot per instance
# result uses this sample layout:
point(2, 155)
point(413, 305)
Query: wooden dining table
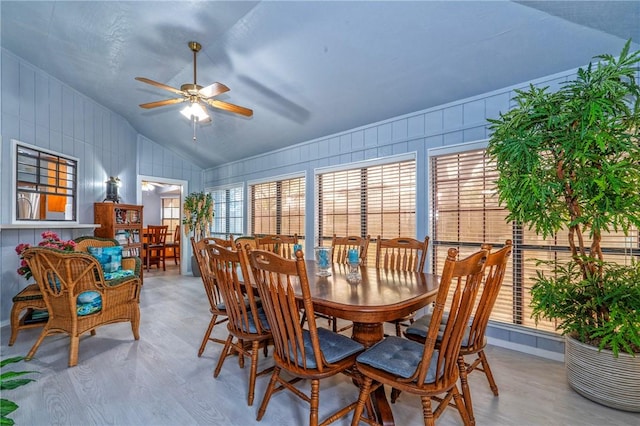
point(380, 296)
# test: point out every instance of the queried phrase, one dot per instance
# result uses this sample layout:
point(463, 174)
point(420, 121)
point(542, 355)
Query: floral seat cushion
point(88, 302)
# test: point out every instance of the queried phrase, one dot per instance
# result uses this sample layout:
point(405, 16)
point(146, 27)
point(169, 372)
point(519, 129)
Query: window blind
point(373, 200)
point(228, 206)
point(465, 213)
point(278, 207)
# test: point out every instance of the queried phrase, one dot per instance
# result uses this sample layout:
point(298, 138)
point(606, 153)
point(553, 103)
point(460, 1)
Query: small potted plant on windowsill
point(197, 219)
point(569, 161)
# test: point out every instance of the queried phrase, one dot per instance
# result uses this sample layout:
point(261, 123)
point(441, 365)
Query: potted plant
point(569, 161)
point(10, 380)
point(197, 220)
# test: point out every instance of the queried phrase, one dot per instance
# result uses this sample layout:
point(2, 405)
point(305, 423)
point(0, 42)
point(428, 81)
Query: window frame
point(360, 165)
point(177, 221)
point(14, 186)
point(525, 248)
point(279, 178)
point(227, 188)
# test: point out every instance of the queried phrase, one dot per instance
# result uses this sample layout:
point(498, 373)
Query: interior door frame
point(184, 189)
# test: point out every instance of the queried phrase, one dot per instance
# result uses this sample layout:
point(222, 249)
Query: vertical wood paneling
point(27, 106)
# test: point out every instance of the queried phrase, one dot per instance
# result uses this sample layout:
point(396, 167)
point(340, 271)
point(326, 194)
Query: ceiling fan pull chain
point(194, 119)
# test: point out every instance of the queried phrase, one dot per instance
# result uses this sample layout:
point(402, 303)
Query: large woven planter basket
point(600, 377)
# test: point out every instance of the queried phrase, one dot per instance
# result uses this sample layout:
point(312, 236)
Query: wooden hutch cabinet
point(122, 222)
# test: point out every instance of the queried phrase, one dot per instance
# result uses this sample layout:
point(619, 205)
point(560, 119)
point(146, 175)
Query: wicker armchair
point(78, 298)
point(30, 298)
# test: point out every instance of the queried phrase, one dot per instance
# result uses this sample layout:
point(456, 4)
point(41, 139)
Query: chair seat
point(334, 346)
point(400, 357)
point(112, 278)
point(262, 316)
point(420, 327)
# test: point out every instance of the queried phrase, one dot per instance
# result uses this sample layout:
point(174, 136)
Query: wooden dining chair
point(279, 244)
point(216, 304)
point(340, 254)
point(228, 243)
point(155, 246)
point(401, 254)
point(313, 353)
point(174, 245)
point(421, 369)
point(342, 245)
point(474, 340)
point(247, 321)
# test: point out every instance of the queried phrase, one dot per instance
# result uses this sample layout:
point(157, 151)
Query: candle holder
point(354, 276)
point(323, 261)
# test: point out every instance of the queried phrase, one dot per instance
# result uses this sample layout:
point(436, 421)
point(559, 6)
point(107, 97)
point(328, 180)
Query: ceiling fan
point(197, 96)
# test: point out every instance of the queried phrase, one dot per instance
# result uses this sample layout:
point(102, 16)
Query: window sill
point(49, 225)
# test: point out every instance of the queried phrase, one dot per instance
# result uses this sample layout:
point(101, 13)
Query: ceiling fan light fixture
point(195, 111)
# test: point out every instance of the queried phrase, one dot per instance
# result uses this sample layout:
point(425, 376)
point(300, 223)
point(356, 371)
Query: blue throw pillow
point(88, 302)
point(110, 258)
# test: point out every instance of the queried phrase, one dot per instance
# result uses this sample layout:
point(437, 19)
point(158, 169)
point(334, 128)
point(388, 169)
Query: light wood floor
point(159, 380)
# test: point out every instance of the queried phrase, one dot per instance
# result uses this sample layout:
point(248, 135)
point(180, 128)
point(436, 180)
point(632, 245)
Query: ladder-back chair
point(474, 340)
point(313, 353)
point(401, 254)
point(279, 244)
point(247, 321)
point(216, 303)
point(421, 369)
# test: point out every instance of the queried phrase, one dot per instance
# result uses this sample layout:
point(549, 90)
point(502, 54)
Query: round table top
point(381, 295)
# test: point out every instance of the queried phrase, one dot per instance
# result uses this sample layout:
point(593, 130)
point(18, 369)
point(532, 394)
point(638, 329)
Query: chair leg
point(15, 320)
point(487, 372)
point(459, 402)
point(255, 349)
point(315, 397)
point(35, 346)
point(268, 393)
point(163, 258)
point(427, 413)
point(466, 392)
point(395, 394)
point(365, 391)
point(73, 351)
point(135, 321)
point(223, 355)
point(207, 335)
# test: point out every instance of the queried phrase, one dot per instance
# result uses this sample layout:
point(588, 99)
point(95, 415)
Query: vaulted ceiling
point(307, 69)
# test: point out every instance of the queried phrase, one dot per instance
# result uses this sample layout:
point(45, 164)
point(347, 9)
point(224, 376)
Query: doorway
point(162, 199)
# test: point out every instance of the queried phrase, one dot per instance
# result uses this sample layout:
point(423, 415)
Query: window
point(278, 207)
point(45, 185)
point(228, 204)
point(465, 213)
point(368, 199)
point(170, 216)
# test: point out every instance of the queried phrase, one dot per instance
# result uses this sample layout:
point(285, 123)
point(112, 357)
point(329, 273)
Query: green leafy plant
point(198, 214)
point(569, 161)
point(11, 380)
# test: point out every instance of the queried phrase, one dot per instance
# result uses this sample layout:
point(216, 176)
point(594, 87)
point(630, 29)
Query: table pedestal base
point(367, 334)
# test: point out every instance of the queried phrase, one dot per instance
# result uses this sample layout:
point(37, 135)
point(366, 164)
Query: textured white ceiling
point(307, 69)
